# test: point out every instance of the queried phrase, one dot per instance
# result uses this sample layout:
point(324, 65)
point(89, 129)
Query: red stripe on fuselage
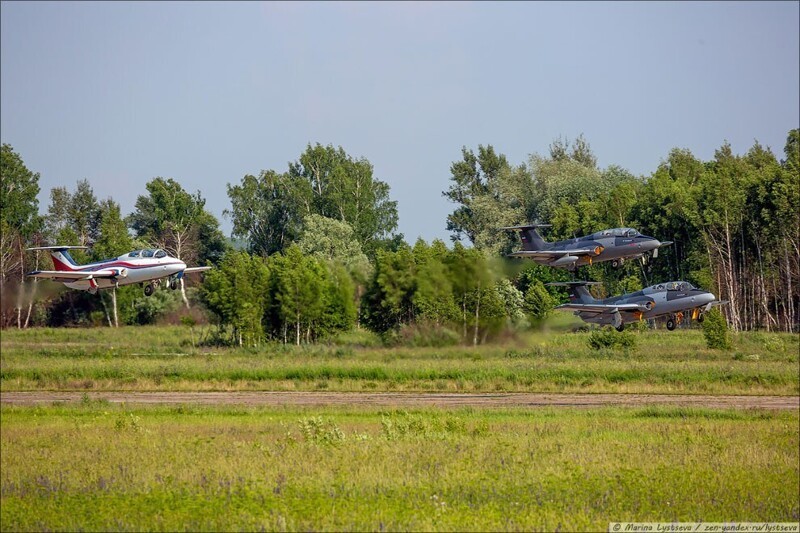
point(131, 266)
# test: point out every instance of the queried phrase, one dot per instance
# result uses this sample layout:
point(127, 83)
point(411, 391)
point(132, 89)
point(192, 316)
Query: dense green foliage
point(288, 297)
point(428, 285)
point(99, 466)
point(608, 338)
point(269, 210)
point(715, 331)
point(237, 293)
point(19, 221)
point(176, 221)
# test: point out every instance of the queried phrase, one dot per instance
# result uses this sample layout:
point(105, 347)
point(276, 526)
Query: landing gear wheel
point(149, 289)
point(173, 284)
point(620, 327)
point(615, 263)
point(671, 324)
point(700, 318)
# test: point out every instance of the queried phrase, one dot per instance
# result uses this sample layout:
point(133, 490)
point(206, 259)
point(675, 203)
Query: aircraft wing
point(557, 253)
point(600, 308)
point(196, 269)
point(66, 275)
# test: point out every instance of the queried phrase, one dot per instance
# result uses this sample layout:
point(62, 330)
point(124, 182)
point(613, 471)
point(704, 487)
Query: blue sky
point(118, 93)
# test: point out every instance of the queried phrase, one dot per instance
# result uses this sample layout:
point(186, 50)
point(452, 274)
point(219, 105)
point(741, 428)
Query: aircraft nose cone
point(651, 243)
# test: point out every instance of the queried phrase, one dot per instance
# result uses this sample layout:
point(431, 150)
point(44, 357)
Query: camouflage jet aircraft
point(613, 245)
point(672, 299)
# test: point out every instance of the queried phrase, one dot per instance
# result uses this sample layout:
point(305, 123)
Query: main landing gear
point(616, 263)
point(151, 287)
point(674, 320)
point(620, 327)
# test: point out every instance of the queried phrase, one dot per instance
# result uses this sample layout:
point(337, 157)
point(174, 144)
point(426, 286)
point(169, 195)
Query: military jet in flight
point(615, 245)
point(140, 266)
point(672, 299)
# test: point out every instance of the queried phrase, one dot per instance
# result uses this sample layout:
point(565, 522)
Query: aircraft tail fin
point(531, 240)
point(578, 293)
point(62, 261)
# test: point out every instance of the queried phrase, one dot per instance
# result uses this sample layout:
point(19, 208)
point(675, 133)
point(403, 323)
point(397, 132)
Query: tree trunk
point(730, 279)
point(183, 294)
point(298, 328)
point(105, 310)
point(477, 317)
point(789, 294)
point(464, 313)
point(116, 316)
point(21, 282)
point(30, 303)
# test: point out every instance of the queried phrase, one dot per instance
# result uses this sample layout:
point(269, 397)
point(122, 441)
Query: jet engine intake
point(120, 272)
point(598, 250)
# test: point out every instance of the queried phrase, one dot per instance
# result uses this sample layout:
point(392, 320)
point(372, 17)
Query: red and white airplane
point(148, 266)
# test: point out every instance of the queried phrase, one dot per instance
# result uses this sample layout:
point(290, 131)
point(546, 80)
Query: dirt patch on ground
point(410, 399)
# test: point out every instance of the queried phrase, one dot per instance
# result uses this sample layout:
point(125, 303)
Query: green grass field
point(169, 358)
point(97, 466)
point(100, 466)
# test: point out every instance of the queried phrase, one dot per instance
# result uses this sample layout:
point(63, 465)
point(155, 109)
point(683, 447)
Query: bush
point(148, 309)
point(715, 330)
point(318, 431)
point(610, 338)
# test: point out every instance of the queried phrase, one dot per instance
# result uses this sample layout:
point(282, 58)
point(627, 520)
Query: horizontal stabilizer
point(572, 283)
point(57, 248)
point(529, 226)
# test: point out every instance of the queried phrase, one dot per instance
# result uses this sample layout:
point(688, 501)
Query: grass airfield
point(95, 465)
point(172, 359)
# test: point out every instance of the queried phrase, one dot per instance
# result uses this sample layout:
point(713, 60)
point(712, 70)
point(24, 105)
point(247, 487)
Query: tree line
point(322, 255)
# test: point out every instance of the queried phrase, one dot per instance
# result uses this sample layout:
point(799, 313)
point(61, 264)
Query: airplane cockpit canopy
point(673, 286)
point(148, 253)
point(616, 232)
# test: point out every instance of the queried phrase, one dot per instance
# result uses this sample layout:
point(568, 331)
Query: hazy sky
point(119, 93)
